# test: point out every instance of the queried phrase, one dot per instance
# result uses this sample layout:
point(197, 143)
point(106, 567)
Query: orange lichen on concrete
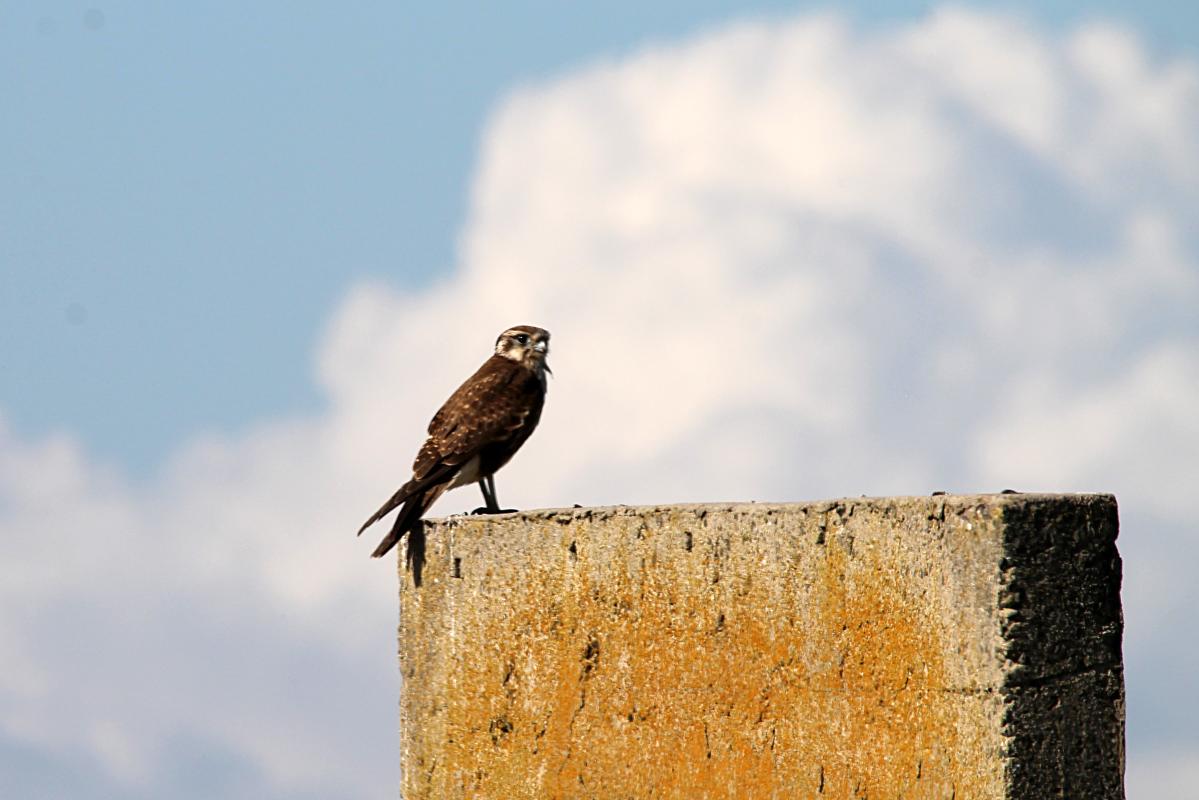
point(760, 652)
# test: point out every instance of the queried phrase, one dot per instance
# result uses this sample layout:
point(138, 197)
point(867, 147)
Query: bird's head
point(526, 345)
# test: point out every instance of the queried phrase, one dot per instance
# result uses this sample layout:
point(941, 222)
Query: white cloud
point(779, 261)
point(1166, 774)
point(1137, 432)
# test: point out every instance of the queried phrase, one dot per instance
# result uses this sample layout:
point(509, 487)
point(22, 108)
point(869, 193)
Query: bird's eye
point(522, 338)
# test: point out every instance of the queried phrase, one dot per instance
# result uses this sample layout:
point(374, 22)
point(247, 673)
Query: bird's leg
point(487, 486)
point(494, 501)
point(488, 490)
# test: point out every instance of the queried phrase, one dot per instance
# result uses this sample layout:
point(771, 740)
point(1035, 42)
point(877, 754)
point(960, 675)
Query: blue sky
point(930, 247)
point(187, 190)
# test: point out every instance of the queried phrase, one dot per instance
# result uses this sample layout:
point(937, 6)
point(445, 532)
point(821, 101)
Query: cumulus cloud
point(780, 261)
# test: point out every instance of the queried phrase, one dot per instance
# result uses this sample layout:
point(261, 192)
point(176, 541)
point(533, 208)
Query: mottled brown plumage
point(476, 431)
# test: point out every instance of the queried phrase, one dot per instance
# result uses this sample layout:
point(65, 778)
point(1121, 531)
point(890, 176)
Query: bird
point(475, 432)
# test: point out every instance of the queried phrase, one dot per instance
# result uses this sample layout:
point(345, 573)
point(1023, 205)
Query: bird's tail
point(409, 517)
point(404, 493)
point(412, 490)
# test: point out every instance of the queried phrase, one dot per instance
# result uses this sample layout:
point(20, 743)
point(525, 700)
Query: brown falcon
point(478, 429)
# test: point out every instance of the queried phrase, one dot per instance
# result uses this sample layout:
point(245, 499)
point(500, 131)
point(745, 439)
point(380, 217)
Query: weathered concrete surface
point(933, 647)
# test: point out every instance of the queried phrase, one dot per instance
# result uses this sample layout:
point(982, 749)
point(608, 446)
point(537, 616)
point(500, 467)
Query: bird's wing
point(493, 406)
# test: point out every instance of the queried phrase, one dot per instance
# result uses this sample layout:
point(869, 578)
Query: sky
point(787, 251)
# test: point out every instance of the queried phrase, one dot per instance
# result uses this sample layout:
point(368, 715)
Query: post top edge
point(992, 499)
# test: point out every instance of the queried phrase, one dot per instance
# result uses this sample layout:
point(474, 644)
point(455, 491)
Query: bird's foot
point(486, 510)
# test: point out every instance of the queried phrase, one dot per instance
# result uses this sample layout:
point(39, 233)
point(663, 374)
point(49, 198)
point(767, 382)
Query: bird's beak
point(540, 347)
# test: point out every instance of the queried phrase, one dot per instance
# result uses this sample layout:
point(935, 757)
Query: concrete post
point(932, 647)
